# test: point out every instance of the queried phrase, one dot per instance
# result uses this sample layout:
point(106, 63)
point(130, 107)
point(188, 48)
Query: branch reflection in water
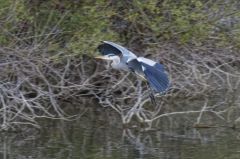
point(94, 137)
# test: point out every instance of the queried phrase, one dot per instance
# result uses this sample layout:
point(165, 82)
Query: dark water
point(99, 138)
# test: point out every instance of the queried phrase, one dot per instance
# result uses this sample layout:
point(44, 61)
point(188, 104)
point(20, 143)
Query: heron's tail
point(157, 78)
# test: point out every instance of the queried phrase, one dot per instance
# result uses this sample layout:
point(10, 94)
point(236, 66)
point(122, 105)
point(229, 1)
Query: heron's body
point(124, 59)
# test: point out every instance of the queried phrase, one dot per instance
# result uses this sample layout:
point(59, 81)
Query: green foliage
point(55, 25)
point(185, 21)
point(93, 26)
point(79, 26)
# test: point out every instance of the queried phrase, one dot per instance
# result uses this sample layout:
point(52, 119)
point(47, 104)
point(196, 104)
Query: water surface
point(97, 137)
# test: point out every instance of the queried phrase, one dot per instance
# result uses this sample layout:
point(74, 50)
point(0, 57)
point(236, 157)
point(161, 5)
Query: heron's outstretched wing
point(106, 49)
point(112, 48)
point(157, 79)
point(155, 75)
point(153, 72)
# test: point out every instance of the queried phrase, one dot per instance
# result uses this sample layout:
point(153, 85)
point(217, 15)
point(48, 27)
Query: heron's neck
point(115, 62)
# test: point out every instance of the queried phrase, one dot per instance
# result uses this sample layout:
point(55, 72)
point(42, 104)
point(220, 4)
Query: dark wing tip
point(157, 78)
point(159, 66)
point(106, 49)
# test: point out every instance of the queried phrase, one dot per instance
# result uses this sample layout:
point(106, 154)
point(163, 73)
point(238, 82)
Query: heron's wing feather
point(157, 78)
point(156, 65)
point(106, 49)
point(135, 66)
point(153, 72)
point(123, 51)
point(159, 67)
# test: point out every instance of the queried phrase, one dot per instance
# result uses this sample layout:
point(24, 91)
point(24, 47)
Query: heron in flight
point(123, 59)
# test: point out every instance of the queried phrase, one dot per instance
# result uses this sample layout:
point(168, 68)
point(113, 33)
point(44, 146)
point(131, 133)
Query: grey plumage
point(124, 59)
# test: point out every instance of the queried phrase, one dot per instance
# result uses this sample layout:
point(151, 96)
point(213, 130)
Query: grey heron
point(123, 59)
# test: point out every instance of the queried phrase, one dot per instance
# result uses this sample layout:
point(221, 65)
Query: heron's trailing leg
point(151, 95)
point(153, 100)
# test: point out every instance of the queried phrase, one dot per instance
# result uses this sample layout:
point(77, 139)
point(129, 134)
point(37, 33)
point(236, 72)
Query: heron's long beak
point(102, 57)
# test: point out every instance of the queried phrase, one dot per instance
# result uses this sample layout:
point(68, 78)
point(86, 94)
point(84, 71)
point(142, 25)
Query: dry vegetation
point(47, 47)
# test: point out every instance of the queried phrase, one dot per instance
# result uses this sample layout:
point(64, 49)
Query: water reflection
point(96, 138)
